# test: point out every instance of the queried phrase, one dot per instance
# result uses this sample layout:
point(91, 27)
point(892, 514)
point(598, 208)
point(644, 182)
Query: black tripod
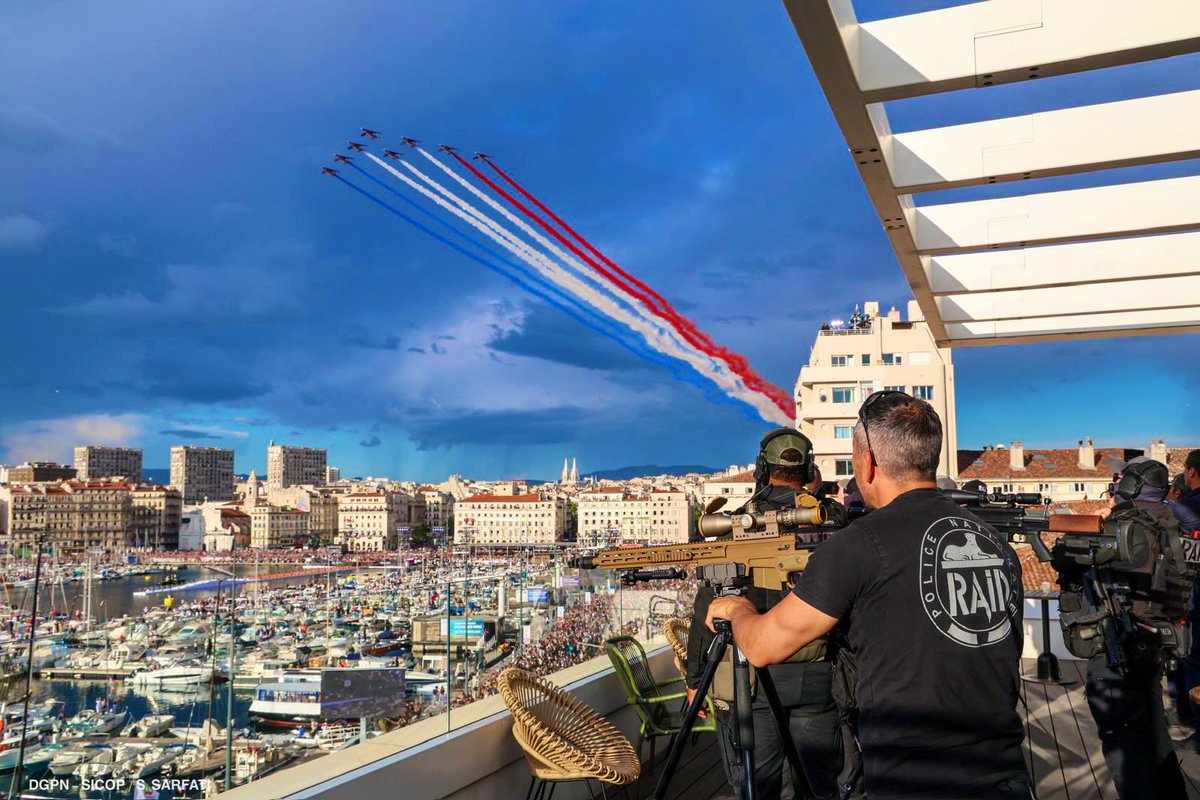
point(743, 715)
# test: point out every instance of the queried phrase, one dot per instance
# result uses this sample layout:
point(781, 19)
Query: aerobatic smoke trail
point(523, 269)
point(684, 327)
point(571, 309)
point(655, 336)
point(558, 252)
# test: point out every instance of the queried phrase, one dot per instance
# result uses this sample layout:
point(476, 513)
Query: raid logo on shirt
point(969, 582)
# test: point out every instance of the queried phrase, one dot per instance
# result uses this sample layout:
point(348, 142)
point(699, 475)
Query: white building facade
point(850, 362)
point(610, 516)
point(512, 520)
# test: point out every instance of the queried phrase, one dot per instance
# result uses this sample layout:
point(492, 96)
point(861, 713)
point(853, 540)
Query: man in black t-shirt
point(928, 598)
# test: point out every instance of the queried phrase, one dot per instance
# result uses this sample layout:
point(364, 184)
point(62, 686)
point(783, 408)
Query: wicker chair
point(676, 630)
point(647, 697)
point(563, 739)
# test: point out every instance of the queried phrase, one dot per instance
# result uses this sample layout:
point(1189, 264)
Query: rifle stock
point(770, 561)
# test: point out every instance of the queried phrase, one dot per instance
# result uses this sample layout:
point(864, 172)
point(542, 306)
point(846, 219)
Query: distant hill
point(646, 470)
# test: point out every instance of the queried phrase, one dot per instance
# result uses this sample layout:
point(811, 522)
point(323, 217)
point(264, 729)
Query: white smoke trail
point(567, 258)
point(655, 336)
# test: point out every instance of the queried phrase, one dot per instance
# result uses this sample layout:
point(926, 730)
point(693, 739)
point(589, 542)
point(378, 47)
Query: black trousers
point(806, 691)
point(1129, 715)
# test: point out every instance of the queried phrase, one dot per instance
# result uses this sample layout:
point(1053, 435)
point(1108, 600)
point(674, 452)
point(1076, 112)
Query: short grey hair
point(905, 434)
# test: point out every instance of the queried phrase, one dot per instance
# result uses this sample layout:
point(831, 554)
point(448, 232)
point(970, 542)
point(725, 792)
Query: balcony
point(476, 758)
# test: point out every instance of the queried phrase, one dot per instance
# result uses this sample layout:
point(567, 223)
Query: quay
point(82, 673)
point(212, 583)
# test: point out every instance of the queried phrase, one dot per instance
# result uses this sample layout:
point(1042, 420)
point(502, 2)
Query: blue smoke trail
point(711, 390)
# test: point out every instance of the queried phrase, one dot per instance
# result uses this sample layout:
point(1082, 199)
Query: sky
point(176, 270)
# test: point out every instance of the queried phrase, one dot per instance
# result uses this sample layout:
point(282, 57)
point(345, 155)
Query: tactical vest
point(1151, 572)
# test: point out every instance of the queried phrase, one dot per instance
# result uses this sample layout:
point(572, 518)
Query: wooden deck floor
point(1061, 746)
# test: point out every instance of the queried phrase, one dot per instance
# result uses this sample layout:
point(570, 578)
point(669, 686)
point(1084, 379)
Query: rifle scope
point(713, 525)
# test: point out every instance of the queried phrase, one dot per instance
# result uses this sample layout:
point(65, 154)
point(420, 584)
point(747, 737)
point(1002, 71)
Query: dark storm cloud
point(188, 433)
point(550, 335)
point(373, 439)
point(490, 428)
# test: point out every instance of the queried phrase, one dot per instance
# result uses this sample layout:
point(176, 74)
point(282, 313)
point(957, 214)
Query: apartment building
point(202, 473)
point(273, 527)
point(94, 461)
point(438, 507)
point(612, 516)
point(850, 361)
point(1061, 475)
point(518, 519)
point(735, 489)
point(40, 472)
point(292, 466)
point(157, 513)
point(368, 521)
point(75, 515)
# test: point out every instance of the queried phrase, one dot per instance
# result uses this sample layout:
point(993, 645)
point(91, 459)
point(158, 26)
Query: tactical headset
point(762, 468)
point(1138, 473)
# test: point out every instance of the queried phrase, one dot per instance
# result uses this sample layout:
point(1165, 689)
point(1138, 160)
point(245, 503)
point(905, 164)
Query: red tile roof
point(502, 498)
point(991, 464)
point(741, 477)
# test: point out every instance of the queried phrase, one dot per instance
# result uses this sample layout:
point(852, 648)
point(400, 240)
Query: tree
point(422, 535)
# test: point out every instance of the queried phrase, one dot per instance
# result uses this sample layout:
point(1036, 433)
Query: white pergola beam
point(1125, 209)
point(1122, 323)
point(1062, 265)
point(955, 48)
point(1153, 294)
point(1004, 41)
point(1125, 133)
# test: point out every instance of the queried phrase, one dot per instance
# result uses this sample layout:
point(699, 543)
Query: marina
point(249, 666)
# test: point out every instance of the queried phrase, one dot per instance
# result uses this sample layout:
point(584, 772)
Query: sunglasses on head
point(873, 398)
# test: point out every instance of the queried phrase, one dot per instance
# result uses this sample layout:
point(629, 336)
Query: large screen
point(357, 693)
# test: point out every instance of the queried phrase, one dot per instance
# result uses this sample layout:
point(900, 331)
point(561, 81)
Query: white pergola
point(1117, 260)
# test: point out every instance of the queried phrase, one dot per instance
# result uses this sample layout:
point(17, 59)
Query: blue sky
point(176, 270)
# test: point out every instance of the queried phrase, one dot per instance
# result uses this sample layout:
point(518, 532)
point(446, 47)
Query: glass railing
point(528, 611)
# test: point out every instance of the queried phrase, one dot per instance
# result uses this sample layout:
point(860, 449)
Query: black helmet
point(1142, 473)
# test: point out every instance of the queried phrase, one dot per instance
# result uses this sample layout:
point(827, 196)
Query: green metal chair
point(656, 708)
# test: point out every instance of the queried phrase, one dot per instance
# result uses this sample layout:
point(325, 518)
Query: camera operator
point(1126, 698)
point(929, 599)
point(784, 469)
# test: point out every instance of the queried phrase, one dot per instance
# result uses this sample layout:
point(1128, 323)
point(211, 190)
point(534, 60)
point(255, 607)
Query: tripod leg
point(744, 718)
point(716, 651)
point(767, 684)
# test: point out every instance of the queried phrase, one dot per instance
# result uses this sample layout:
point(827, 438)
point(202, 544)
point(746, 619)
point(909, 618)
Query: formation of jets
point(360, 147)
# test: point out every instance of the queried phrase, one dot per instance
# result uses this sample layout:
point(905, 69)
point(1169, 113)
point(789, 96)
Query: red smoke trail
point(647, 296)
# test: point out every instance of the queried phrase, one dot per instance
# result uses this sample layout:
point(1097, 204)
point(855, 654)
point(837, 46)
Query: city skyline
point(252, 302)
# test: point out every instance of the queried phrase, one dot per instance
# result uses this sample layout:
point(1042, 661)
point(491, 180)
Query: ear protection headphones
point(1138, 473)
point(762, 468)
